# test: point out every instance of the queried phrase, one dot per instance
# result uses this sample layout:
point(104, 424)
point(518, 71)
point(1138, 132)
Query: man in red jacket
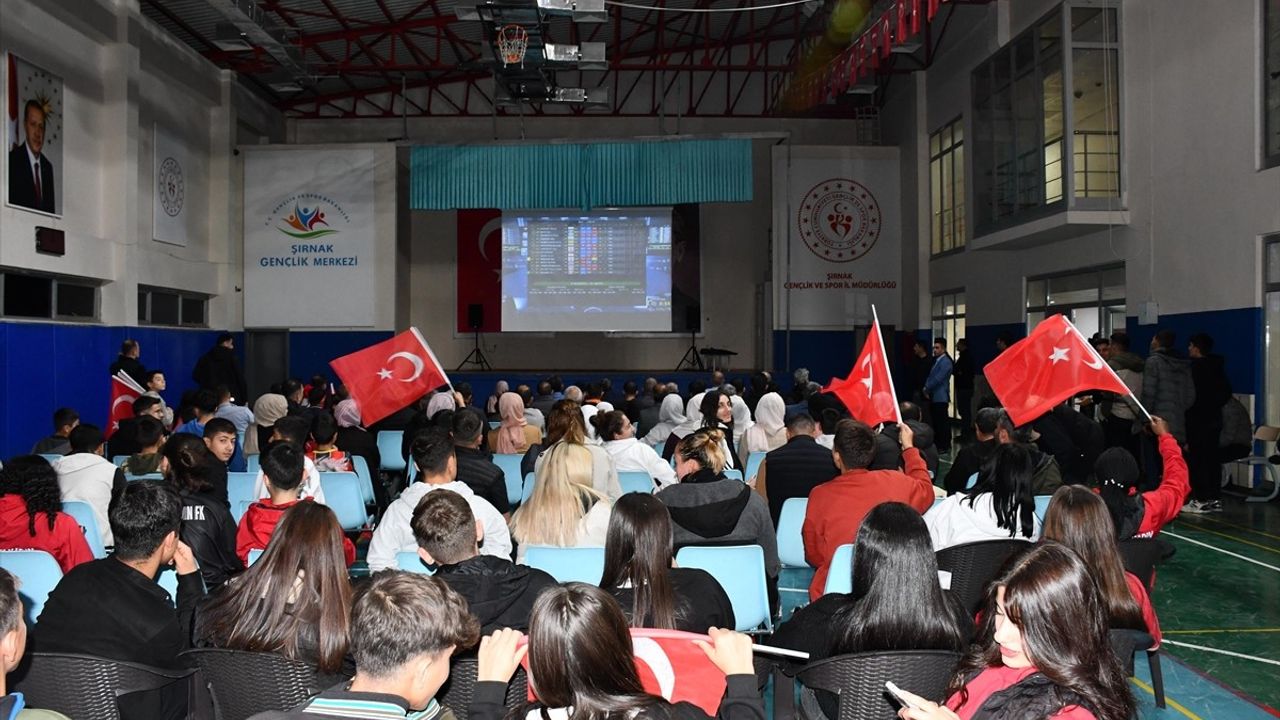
point(284, 470)
point(837, 507)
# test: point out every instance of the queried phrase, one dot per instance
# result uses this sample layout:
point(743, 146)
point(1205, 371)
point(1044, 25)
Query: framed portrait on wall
point(34, 141)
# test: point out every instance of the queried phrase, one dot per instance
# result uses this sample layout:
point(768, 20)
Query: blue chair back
point(361, 467)
point(39, 574)
point(740, 571)
point(527, 490)
point(253, 463)
point(409, 561)
point(240, 492)
point(1042, 505)
point(790, 542)
point(389, 442)
point(973, 480)
point(936, 502)
point(733, 474)
point(119, 460)
point(637, 481)
point(254, 554)
point(495, 424)
point(753, 463)
point(342, 495)
point(840, 574)
point(88, 522)
point(573, 564)
point(510, 464)
point(51, 457)
point(147, 476)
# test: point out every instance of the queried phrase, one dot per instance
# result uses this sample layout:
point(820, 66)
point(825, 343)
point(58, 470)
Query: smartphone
point(901, 697)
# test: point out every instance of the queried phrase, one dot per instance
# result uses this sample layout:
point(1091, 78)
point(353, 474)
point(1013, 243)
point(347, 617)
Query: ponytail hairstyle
point(704, 447)
point(609, 425)
point(638, 551)
point(1117, 474)
point(187, 455)
point(1007, 477)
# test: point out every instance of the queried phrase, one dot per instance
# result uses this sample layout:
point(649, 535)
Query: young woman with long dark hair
point(1042, 649)
point(897, 602)
point(582, 667)
point(1079, 519)
point(207, 525)
point(31, 514)
point(294, 601)
point(639, 572)
point(1000, 506)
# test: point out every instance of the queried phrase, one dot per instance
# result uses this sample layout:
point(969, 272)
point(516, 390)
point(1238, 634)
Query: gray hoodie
point(91, 479)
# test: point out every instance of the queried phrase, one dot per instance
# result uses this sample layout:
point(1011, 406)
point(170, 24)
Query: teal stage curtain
point(581, 176)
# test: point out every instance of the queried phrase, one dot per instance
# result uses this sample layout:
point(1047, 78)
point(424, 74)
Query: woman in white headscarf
point(770, 429)
point(741, 418)
point(670, 414)
point(266, 411)
point(692, 421)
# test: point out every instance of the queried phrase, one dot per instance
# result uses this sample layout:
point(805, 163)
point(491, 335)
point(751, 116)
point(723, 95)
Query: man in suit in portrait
point(30, 172)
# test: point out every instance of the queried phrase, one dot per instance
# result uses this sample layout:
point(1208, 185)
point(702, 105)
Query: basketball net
point(513, 41)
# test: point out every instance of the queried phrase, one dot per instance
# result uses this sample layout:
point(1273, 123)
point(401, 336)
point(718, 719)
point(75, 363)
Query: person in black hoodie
point(207, 525)
point(971, 457)
point(1204, 423)
point(220, 367)
point(498, 592)
point(889, 450)
point(475, 465)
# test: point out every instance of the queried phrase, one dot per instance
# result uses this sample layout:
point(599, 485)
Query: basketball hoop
point(513, 40)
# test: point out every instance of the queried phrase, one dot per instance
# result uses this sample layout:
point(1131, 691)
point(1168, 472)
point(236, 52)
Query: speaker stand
point(476, 357)
point(692, 359)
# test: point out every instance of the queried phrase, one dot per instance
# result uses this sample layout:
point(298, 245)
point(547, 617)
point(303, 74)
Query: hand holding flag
point(388, 376)
point(868, 390)
point(124, 390)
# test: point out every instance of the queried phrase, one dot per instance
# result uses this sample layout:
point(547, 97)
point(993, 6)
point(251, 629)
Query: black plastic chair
point(244, 683)
point(457, 691)
point(1142, 556)
point(1124, 643)
point(973, 565)
point(85, 687)
point(856, 683)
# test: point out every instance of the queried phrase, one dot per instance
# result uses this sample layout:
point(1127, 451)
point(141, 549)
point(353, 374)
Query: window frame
point(54, 280)
point(1098, 304)
point(958, 220)
point(145, 310)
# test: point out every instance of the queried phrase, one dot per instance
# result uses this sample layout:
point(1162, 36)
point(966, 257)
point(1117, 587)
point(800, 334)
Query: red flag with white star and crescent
point(868, 390)
point(123, 392)
point(390, 375)
point(1052, 364)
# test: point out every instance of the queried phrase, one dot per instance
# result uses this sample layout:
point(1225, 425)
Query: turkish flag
point(868, 390)
point(1053, 363)
point(388, 376)
point(123, 392)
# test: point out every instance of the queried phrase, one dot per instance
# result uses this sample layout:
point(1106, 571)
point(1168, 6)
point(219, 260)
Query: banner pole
point(884, 351)
point(1094, 353)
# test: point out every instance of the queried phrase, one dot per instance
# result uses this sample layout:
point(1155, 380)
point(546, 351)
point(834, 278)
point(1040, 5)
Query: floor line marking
point(1233, 538)
point(1218, 549)
point(1167, 700)
point(1209, 631)
point(1242, 656)
point(1234, 525)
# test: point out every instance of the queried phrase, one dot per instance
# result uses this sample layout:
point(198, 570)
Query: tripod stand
point(692, 359)
point(476, 357)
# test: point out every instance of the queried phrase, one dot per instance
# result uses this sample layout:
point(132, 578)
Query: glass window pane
point(164, 308)
point(193, 311)
point(934, 146)
point(946, 173)
point(1034, 319)
point(1035, 293)
point(958, 203)
point(1113, 284)
point(28, 296)
point(1093, 25)
point(76, 301)
point(1073, 289)
point(1273, 262)
point(937, 306)
point(1095, 79)
point(142, 306)
point(935, 204)
point(957, 130)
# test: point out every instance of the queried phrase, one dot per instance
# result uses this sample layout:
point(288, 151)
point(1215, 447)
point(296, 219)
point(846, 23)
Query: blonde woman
point(564, 509)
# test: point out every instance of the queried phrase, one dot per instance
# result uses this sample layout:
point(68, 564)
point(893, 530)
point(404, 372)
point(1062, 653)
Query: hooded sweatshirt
point(1128, 367)
point(92, 479)
point(209, 529)
point(498, 592)
point(260, 521)
point(708, 509)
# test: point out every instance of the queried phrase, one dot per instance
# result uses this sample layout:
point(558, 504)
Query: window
point(946, 187)
point(948, 322)
point(1271, 285)
point(1271, 81)
point(162, 306)
point(48, 297)
point(1033, 151)
point(1092, 299)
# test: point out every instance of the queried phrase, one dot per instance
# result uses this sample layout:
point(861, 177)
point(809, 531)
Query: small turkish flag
point(388, 376)
point(1053, 363)
point(868, 391)
point(123, 392)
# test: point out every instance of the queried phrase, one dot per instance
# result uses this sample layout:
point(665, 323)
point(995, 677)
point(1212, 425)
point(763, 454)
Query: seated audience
point(796, 468)
point(999, 507)
point(155, 385)
point(404, 628)
point(205, 404)
point(223, 443)
point(85, 475)
point(64, 421)
point(715, 411)
point(580, 651)
point(692, 421)
point(565, 425)
point(1042, 649)
point(742, 421)
point(284, 469)
point(564, 509)
point(614, 428)
point(970, 459)
point(897, 602)
point(266, 411)
point(669, 415)
point(1046, 476)
point(640, 572)
point(889, 451)
point(296, 599)
point(124, 441)
point(770, 430)
point(296, 430)
point(207, 525)
point(532, 415)
point(1142, 514)
point(353, 439)
point(324, 451)
point(515, 435)
point(1078, 519)
point(500, 388)
point(239, 415)
point(545, 398)
point(149, 434)
point(475, 465)
point(438, 412)
point(836, 507)
point(31, 516)
point(437, 465)
point(709, 509)
point(498, 592)
point(13, 643)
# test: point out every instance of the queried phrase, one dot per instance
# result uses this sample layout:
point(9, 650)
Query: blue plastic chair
point(119, 460)
point(510, 464)
point(361, 467)
point(527, 490)
point(753, 463)
point(39, 574)
point(389, 442)
point(410, 472)
point(147, 476)
point(790, 541)
point(733, 474)
point(973, 480)
point(840, 574)
point(342, 495)
point(740, 571)
point(51, 457)
point(88, 522)
point(410, 562)
point(240, 493)
point(936, 502)
point(495, 424)
point(637, 481)
point(254, 554)
point(572, 564)
point(1042, 505)
point(253, 463)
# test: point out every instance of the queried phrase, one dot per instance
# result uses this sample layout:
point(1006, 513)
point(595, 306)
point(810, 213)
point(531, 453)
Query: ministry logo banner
point(179, 191)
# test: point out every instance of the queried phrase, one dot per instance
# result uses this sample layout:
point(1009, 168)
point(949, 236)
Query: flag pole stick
point(884, 350)
point(1094, 353)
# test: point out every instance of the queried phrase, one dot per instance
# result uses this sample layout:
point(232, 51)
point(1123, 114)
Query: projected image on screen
point(606, 270)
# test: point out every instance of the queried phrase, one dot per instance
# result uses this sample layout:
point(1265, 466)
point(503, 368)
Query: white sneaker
point(1195, 507)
